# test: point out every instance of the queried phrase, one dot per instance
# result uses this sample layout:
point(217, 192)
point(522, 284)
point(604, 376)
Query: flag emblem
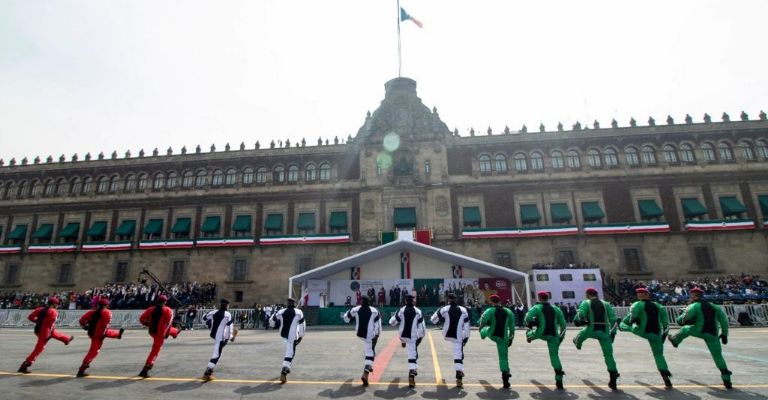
point(458, 271)
point(354, 273)
point(405, 265)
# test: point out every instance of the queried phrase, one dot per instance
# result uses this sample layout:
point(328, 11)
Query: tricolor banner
point(166, 244)
point(610, 229)
point(720, 225)
point(305, 239)
point(52, 248)
point(105, 246)
point(11, 249)
point(225, 242)
point(492, 233)
point(405, 265)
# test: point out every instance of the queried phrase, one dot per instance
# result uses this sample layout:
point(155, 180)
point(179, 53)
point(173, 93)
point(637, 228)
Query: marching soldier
point(96, 322)
point(498, 323)
point(649, 320)
point(220, 322)
point(547, 323)
point(158, 319)
point(368, 327)
point(292, 327)
point(455, 320)
point(411, 329)
point(598, 318)
point(707, 321)
point(44, 319)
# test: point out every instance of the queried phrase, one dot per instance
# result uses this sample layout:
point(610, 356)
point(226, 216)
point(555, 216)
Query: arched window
point(201, 179)
point(632, 158)
point(141, 182)
point(310, 173)
point(171, 180)
point(521, 162)
point(36, 188)
point(726, 153)
point(611, 159)
point(278, 175)
point(747, 152)
point(229, 176)
point(103, 185)
point(87, 185)
point(573, 160)
point(649, 155)
point(500, 163)
point(261, 175)
point(557, 159)
point(130, 183)
point(686, 153)
point(188, 179)
point(61, 187)
point(22, 189)
point(247, 176)
point(670, 155)
point(537, 161)
point(762, 149)
point(293, 173)
point(593, 158)
point(708, 152)
point(114, 184)
point(75, 186)
point(485, 163)
point(50, 188)
point(218, 177)
point(325, 171)
point(159, 181)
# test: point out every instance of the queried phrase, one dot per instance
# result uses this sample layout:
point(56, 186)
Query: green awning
point(405, 217)
point(212, 224)
point(560, 212)
point(529, 214)
point(128, 227)
point(472, 216)
point(338, 220)
point(44, 231)
point(692, 208)
point(182, 226)
point(306, 222)
point(98, 229)
point(763, 200)
point(70, 231)
point(154, 227)
point(731, 206)
point(242, 223)
point(274, 222)
point(649, 209)
point(592, 211)
point(18, 233)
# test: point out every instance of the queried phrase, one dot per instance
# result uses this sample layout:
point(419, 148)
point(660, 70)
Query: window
point(11, 274)
point(49, 187)
point(247, 176)
point(569, 294)
point(590, 277)
point(500, 163)
point(762, 149)
point(293, 173)
point(485, 163)
point(593, 159)
point(702, 258)
point(130, 183)
point(65, 274)
point(686, 153)
point(201, 178)
point(178, 271)
point(61, 186)
point(726, 153)
point(472, 217)
point(632, 260)
point(428, 169)
point(537, 161)
point(75, 186)
point(114, 184)
point(36, 188)
point(229, 176)
point(303, 264)
point(102, 185)
point(632, 159)
point(22, 189)
point(557, 160)
point(649, 155)
point(574, 162)
point(261, 175)
point(542, 277)
point(218, 177)
point(159, 181)
point(141, 184)
point(121, 271)
point(87, 185)
point(747, 152)
point(565, 257)
point(279, 174)
point(188, 179)
point(170, 182)
point(240, 271)
point(504, 258)
point(306, 223)
point(566, 277)
point(521, 162)
point(273, 224)
point(238, 296)
point(310, 173)
point(338, 222)
point(325, 171)
point(611, 159)
point(670, 155)
point(708, 152)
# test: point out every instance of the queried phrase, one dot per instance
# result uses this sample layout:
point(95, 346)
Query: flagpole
point(399, 51)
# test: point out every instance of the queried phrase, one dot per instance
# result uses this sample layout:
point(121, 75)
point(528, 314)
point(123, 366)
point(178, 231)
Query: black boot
point(120, 335)
point(24, 368)
point(367, 370)
point(284, 374)
point(81, 372)
point(412, 378)
point(559, 379)
point(665, 374)
point(505, 379)
point(459, 377)
point(145, 371)
point(612, 383)
point(726, 375)
point(208, 375)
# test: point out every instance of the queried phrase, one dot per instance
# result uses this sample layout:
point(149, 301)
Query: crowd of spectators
point(729, 289)
point(555, 265)
point(122, 296)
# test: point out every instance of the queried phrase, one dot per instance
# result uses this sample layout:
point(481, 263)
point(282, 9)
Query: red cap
point(163, 298)
point(495, 298)
point(592, 291)
point(54, 300)
point(697, 290)
point(642, 290)
point(542, 295)
point(104, 301)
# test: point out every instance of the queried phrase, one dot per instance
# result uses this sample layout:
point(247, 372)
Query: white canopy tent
point(415, 247)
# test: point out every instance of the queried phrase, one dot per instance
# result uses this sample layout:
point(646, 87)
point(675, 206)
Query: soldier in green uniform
point(649, 320)
point(498, 323)
point(598, 319)
point(547, 323)
point(704, 320)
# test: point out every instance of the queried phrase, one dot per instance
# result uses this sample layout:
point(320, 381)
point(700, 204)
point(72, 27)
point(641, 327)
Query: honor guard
point(292, 327)
point(411, 328)
point(547, 323)
point(222, 331)
point(598, 319)
point(498, 324)
point(455, 320)
point(96, 322)
point(158, 319)
point(367, 327)
point(44, 319)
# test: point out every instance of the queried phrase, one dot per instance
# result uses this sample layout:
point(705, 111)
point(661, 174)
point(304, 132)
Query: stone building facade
point(661, 200)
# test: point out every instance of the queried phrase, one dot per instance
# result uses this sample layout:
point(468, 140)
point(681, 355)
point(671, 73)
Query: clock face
point(391, 142)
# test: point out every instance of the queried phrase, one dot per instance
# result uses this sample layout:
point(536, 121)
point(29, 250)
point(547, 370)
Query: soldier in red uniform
point(44, 319)
point(96, 322)
point(158, 319)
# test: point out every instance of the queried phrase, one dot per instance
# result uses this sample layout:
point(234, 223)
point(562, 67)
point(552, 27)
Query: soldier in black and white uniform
point(368, 327)
point(292, 327)
point(411, 328)
point(455, 320)
point(220, 321)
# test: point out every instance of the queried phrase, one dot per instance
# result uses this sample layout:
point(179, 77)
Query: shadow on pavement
point(46, 382)
point(445, 392)
point(395, 391)
point(265, 387)
point(178, 387)
point(347, 389)
point(545, 392)
point(492, 392)
point(735, 393)
point(109, 384)
point(662, 393)
point(601, 393)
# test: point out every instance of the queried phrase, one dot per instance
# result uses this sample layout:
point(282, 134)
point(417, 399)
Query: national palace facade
point(667, 199)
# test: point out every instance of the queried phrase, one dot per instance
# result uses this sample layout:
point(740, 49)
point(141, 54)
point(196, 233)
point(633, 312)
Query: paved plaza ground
point(329, 362)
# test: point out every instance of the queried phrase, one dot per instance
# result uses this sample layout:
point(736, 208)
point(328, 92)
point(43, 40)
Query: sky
point(81, 76)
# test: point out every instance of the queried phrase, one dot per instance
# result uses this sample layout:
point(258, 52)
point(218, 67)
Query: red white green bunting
point(225, 242)
point(491, 233)
point(105, 246)
point(10, 249)
point(642, 227)
point(720, 225)
point(166, 244)
point(305, 239)
point(52, 248)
